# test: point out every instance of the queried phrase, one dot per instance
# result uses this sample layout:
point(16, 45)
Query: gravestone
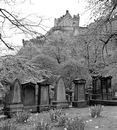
point(106, 88)
point(101, 87)
point(16, 98)
point(60, 94)
point(96, 82)
point(43, 96)
point(79, 93)
point(29, 96)
point(69, 96)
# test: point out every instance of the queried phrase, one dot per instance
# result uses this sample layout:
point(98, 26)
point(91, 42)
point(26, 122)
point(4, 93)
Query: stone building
point(68, 24)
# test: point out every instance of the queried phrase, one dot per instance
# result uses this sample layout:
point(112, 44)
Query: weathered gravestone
point(79, 93)
point(96, 90)
point(16, 98)
point(43, 95)
point(14, 101)
point(106, 88)
point(60, 94)
point(101, 87)
point(29, 96)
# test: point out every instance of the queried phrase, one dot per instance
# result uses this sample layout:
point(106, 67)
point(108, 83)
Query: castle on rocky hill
point(68, 24)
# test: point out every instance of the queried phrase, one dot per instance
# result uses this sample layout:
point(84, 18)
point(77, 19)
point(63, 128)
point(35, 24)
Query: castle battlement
point(68, 24)
point(67, 20)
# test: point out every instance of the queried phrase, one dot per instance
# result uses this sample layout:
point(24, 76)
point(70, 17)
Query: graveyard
point(28, 106)
point(33, 103)
point(61, 76)
point(107, 121)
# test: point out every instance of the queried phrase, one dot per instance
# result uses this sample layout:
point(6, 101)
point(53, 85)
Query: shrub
point(7, 125)
point(74, 123)
point(22, 117)
point(55, 114)
point(62, 120)
point(42, 125)
point(96, 110)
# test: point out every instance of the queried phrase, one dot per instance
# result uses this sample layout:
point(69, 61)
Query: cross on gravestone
point(60, 94)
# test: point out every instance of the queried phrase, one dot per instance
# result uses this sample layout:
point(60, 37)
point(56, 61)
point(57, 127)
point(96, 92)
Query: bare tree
point(103, 11)
point(10, 20)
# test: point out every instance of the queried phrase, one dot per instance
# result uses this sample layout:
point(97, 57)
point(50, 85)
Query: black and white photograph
point(58, 65)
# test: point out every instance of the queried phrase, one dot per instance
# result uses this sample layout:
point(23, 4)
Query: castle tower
point(76, 20)
point(68, 23)
point(63, 21)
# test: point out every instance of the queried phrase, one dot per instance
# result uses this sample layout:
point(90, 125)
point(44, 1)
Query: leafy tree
point(102, 8)
point(45, 62)
point(101, 34)
point(29, 51)
point(57, 46)
point(104, 11)
point(12, 67)
point(71, 70)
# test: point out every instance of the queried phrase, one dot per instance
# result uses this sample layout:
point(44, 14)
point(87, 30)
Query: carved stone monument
point(43, 96)
point(60, 94)
point(16, 98)
point(79, 93)
point(29, 96)
point(101, 87)
point(96, 91)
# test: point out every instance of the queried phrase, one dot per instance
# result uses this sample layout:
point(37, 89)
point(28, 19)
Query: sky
point(48, 10)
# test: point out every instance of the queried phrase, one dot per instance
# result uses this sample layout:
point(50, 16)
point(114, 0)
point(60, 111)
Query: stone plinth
point(16, 107)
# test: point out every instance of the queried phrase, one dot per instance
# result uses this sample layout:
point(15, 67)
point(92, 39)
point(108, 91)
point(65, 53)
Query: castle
point(68, 24)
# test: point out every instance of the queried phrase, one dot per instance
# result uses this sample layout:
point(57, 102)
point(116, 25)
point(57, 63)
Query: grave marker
point(79, 93)
point(60, 94)
point(43, 95)
point(16, 98)
point(29, 96)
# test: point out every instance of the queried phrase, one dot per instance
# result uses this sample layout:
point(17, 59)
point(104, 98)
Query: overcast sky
point(48, 10)
point(53, 8)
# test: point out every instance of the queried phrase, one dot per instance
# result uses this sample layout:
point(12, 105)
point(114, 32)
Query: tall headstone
point(16, 104)
point(16, 98)
point(79, 93)
point(29, 96)
point(106, 88)
point(97, 91)
point(43, 96)
point(60, 94)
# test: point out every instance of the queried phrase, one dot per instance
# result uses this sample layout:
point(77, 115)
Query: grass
point(106, 121)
